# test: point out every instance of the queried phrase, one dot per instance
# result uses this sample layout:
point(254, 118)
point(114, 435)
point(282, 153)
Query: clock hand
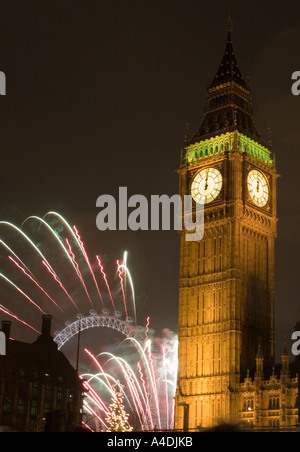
point(257, 187)
point(206, 184)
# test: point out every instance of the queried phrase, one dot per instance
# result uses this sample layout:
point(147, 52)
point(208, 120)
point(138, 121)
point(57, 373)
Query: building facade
point(39, 389)
point(270, 403)
point(226, 287)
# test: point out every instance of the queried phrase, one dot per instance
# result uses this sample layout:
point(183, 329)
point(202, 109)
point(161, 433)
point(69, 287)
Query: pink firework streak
point(147, 329)
point(146, 393)
point(88, 427)
point(59, 283)
point(87, 261)
point(155, 386)
point(21, 292)
point(134, 394)
point(78, 271)
point(122, 286)
point(2, 309)
point(34, 281)
point(95, 396)
point(89, 408)
point(166, 386)
point(100, 367)
point(105, 279)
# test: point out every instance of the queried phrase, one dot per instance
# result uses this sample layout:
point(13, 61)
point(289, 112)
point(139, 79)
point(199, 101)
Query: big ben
point(226, 287)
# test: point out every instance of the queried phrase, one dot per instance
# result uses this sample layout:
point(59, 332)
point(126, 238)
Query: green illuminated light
point(214, 147)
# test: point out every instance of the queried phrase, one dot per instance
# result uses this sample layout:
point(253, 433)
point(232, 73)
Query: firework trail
point(92, 394)
point(124, 269)
point(125, 264)
point(69, 255)
point(53, 233)
point(147, 346)
point(59, 283)
point(151, 364)
point(57, 233)
point(147, 330)
point(88, 427)
point(94, 397)
point(44, 260)
point(14, 254)
point(77, 238)
point(145, 362)
point(100, 367)
point(133, 386)
point(88, 262)
point(136, 398)
point(122, 286)
point(145, 393)
point(22, 293)
point(166, 384)
point(27, 239)
point(150, 380)
point(10, 314)
point(140, 388)
point(105, 280)
point(34, 281)
point(79, 273)
point(91, 411)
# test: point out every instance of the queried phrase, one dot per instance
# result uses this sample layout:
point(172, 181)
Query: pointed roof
point(259, 354)
point(228, 104)
point(229, 69)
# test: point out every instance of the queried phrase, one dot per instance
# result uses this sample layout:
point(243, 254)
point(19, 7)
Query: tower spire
point(228, 104)
point(229, 24)
point(229, 69)
point(259, 360)
point(285, 361)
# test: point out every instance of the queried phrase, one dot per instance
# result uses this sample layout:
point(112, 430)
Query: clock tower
point(226, 289)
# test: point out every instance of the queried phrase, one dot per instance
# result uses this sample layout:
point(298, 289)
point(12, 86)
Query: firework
point(48, 268)
point(88, 262)
point(34, 281)
point(77, 260)
point(105, 279)
point(149, 384)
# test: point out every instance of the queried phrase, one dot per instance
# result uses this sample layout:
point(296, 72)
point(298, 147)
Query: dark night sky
point(98, 96)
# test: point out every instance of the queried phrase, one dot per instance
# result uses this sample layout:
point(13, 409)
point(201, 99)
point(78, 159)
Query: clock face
point(206, 185)
point(258, 188)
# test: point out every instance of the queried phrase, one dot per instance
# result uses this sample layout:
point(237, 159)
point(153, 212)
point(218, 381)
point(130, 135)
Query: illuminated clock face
point(258, 188)
point(206, 185)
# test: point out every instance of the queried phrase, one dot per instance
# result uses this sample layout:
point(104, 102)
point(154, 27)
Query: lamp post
point(78, 343)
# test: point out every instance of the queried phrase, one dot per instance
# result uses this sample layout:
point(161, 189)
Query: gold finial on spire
point(229, 23)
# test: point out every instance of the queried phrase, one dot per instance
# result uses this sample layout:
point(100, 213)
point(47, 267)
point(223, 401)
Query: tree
point(117, 417)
